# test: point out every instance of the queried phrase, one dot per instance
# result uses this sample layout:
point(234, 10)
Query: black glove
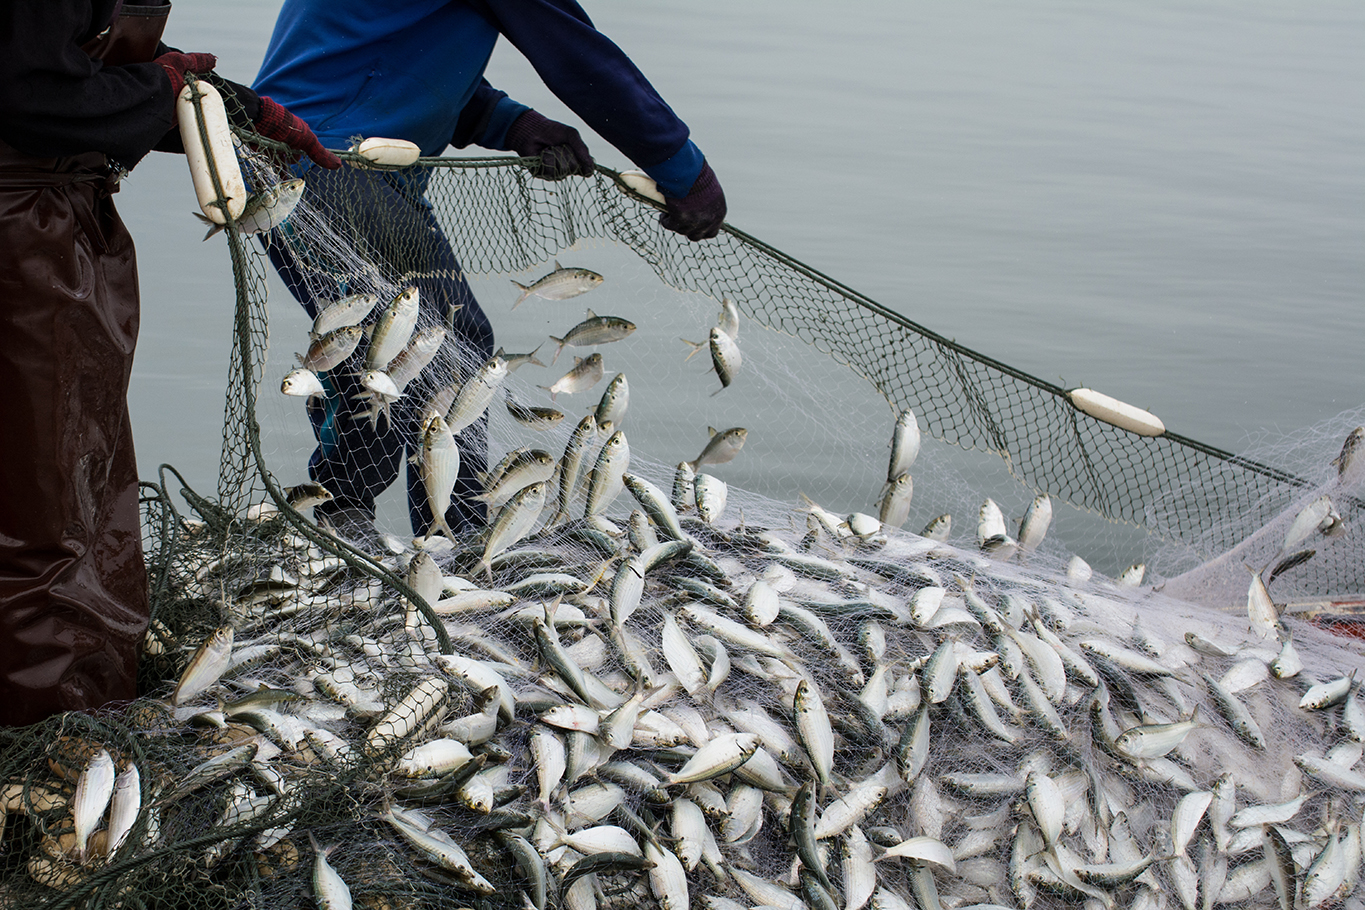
point(700, 213)
point(557, 145)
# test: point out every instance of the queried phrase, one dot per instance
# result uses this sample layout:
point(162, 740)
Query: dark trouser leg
point(393, 227)
point(73, 585)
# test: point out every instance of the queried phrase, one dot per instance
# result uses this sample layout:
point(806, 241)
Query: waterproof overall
point(73, 585)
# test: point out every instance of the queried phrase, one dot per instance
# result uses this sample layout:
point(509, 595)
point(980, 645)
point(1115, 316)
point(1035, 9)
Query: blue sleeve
point(589, 73)
point(485, 119)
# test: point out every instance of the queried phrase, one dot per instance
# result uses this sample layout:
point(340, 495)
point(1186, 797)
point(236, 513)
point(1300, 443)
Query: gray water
point(1165, 202)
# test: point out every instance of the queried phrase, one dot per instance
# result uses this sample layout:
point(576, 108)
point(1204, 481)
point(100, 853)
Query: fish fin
point(499, 352)
point(711, 431)
point(718, 391)
point(525, 292)
point(531, 357)
point(558, 350)
point(557, 265)
point(591, 314)
point(695, 345)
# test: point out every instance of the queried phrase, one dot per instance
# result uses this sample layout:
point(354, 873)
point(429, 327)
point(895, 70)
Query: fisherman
point(86, 90)
point(414, 70)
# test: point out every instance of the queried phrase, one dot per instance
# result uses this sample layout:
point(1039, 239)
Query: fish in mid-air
point(561, 284)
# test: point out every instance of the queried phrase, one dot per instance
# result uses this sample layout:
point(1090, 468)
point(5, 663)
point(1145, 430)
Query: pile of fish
point(687, 711)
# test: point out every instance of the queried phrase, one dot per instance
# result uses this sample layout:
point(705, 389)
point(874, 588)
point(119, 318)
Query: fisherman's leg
point(73, 584)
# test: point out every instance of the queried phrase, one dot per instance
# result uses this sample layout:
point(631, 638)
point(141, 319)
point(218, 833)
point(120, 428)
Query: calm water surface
point(1162, 201)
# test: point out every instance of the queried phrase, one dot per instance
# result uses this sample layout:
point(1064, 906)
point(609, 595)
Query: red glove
point(275, 122)
point(177, 65)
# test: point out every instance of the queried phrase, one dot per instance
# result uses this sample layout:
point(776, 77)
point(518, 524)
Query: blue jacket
point(413, 69)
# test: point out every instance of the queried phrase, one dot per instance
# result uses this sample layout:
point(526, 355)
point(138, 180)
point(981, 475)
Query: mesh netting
point(716, 696)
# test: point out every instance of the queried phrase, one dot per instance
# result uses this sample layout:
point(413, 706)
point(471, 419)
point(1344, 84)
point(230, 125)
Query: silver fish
point(905, 442)
point(895, 505)
point(477, 394)
point(938, 529)
point(302, 383)
point(329, 889)
point(421, 350)
point(612, 408)
point(351, 310)
point(438, 463)
point(331, 349)
point(571, 465)
point(1347, 460)
point(561, 284)
point(393, 329)
point(593, 330)
point(722, 447)
point(94, 789)
point(711, 495)
point(533, 418)
point(517, 361)
point(725, 358)
point(1033, 526)
point(208, 664)
point(514, 522)
point(605, 482)
point(124, 808)
point(586, 373)
point(263, 210)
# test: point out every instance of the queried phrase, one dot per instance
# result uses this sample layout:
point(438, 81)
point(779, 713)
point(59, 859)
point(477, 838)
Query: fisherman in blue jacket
point(413, 69)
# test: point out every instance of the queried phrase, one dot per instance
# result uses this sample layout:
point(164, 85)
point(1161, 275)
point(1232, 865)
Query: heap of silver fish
point(689, 712)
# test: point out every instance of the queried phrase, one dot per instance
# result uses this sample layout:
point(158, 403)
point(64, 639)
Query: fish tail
point(531, 358)
point(214, 227)
point(559, 350)
point(525, 292)
point(695, 346)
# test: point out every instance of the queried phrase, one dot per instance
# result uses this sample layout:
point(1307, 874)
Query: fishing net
point(754, 700)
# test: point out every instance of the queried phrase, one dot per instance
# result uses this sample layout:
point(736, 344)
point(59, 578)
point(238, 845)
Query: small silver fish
point(725, 358)
point(350, 310)
point(1033, 526)
point(207, 664)
point(561, 284)
point(1350, 451)
point(331, 349)
point(593, 330)
point(938, 529)
point(265, 209)
point(895, 504)
point(301, 383)
point(306, 495)
point(477, 394)
point(516, 361)
point(533, 418)
point(905, 441)
point(438, 463)
point(612, 408)
point(393, 329)
point(586, 373)
point(720, 448)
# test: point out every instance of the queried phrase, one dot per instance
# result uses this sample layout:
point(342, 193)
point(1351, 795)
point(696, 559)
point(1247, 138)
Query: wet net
point(701, 690)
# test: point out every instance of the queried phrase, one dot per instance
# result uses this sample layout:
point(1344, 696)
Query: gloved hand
point(561, 151)
point(275, 122)
point(177, 65)
point(700, 213)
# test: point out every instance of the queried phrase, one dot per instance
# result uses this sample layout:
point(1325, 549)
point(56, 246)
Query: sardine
point(593, 330)
point(586, 373)
point(561, 284)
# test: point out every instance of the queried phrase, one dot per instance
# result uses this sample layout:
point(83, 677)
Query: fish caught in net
point(663, 676)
